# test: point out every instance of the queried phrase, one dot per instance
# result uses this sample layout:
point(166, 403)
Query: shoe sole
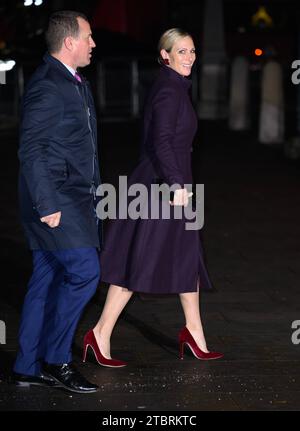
point(28, 384)
point(62, 386)
point(100, 363)
point(199, 357)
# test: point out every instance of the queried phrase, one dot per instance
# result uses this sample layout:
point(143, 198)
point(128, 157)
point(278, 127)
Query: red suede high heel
point(90, 341)
point(185, 337)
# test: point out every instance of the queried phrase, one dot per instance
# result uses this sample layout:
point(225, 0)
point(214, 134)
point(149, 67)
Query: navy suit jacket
point(58, 155)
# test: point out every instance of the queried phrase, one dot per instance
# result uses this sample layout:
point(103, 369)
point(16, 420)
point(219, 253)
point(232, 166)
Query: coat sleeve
point(42, 111)
point(165, 112)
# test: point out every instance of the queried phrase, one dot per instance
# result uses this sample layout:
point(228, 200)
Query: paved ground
point(252, 248)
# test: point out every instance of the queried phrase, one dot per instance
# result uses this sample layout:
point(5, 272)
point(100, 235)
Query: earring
point(166, 61)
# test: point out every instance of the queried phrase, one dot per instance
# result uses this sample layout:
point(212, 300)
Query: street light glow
point(30, 2)
point(258, 52)
point(7, 65)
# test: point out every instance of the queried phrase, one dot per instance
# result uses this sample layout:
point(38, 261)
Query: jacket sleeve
point(42, 111)
point(165, 113)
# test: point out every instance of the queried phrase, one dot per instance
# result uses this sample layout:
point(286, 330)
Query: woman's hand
point(181, 197)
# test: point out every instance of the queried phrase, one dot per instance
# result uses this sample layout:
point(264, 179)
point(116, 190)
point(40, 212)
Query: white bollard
point(271, 121)
point(239, 95)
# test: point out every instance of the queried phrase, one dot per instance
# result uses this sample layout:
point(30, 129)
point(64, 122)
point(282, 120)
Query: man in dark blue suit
point(59, 174)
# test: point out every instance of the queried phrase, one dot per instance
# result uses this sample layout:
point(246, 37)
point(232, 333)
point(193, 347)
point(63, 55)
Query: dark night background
point(252, 208)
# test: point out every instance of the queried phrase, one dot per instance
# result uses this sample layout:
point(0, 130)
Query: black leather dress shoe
point(69, 378)
point(25, 380)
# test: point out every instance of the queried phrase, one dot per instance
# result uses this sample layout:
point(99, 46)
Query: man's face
point(84, 44)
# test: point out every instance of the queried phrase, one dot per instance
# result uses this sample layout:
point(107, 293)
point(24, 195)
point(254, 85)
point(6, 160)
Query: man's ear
point(68, 43)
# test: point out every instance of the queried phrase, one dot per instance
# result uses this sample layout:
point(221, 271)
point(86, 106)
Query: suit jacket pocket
point(59, 173)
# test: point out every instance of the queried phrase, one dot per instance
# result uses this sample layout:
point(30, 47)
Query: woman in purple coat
point(159, 256)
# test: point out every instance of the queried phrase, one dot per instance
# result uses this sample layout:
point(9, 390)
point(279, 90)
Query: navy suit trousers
point(62, 283)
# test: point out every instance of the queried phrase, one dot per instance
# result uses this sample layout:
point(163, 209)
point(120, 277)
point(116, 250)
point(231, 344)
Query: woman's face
point(182, 56)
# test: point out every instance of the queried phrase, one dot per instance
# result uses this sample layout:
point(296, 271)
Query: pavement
point(251, 241)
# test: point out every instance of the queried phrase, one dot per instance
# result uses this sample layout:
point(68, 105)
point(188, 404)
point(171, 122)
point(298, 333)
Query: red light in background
point(258, 52)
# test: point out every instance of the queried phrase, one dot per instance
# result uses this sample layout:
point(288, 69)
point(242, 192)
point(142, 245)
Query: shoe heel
point(90, 341)
point(185, 337)
point(85, 352)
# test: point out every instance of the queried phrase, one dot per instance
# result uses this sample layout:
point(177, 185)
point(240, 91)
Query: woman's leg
point(117, 298)
point(191, 309)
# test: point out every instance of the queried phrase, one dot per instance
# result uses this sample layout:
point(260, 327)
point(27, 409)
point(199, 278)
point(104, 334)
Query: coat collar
point(173, 75)
point(53, 62)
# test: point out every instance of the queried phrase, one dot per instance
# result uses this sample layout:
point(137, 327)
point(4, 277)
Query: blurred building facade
point(126, 33)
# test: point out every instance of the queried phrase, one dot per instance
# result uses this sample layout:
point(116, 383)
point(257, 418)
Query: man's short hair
point(61, 25)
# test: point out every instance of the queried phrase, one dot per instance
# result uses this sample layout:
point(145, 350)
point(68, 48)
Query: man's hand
point(181, 197)
point(52, 220)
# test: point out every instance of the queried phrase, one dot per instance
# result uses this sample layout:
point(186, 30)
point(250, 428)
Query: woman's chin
point(186, 72)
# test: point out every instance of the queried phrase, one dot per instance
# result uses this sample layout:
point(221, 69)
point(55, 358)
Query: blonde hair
point(167, 40)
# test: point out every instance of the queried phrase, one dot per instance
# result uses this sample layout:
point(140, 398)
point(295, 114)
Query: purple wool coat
point(159, 256)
